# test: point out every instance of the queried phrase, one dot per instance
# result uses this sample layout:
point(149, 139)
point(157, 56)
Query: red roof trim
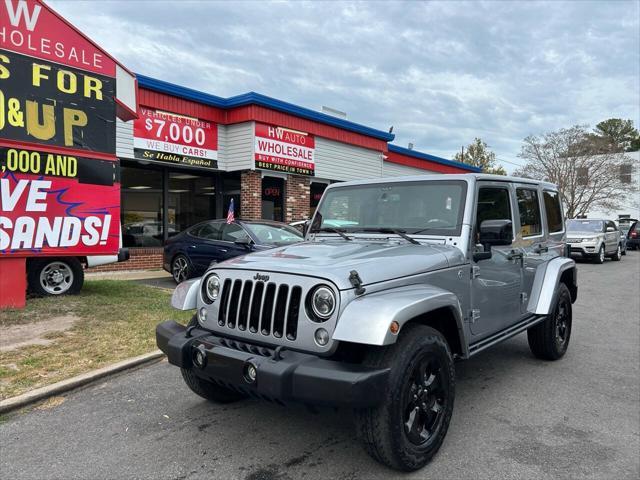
point(273, 117)
point(248, 113)
point(394, 157)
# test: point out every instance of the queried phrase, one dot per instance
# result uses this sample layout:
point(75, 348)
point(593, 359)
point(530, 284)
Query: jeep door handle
point(541, 249)
point(223, 250)
point(515, 255)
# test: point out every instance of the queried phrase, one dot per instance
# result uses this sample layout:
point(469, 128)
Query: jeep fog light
point(250, 372)
point(202, 315)
point(322, 337)
point(199, 357)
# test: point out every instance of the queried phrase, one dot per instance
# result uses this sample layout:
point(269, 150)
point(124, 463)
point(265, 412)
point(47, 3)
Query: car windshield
point(269, 234)
point(585, 226)
point(432, 207)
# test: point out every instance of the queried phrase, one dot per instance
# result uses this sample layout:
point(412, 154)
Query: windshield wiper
point(397, 231)
point(332, 230)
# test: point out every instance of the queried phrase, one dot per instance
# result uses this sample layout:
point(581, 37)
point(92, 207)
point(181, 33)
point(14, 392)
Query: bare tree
point(586, 177)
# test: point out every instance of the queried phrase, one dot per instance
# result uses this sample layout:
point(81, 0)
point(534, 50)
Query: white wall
point(390, 169)
point(235, 146)
point(124, 139)
point(339, 161)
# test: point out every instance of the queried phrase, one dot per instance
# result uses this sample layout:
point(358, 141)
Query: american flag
point(230, 215)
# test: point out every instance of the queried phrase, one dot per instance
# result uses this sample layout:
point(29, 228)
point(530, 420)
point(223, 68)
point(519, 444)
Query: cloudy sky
point(440, 72)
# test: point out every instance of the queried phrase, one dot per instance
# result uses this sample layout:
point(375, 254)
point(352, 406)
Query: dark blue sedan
point(189, 253)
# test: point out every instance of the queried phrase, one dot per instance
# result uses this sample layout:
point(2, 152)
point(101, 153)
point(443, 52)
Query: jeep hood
point(375, 261)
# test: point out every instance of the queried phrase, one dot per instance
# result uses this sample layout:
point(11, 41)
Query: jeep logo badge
point(261, 278)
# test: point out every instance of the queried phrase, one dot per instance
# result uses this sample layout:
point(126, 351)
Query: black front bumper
point(284, 376)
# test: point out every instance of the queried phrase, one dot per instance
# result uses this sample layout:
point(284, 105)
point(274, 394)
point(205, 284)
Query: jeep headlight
point(211, 288)
point(323, 302)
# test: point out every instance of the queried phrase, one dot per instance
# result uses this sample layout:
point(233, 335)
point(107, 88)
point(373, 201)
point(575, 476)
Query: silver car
point(395, 280)
point(594, 239)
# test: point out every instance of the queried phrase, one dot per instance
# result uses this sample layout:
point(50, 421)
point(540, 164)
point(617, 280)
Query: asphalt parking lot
point(515, 416)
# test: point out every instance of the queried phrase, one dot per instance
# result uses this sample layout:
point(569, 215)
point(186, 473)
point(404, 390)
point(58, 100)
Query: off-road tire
point(600, 256)
point(208, 390)
point(36, 267)
point(382, 428)
point(543, 337)
point(616, 257)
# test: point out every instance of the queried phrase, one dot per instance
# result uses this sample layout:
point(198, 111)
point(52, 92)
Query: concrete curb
point(69, 384)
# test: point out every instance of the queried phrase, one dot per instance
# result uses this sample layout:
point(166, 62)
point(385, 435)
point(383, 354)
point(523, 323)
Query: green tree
point(478, 154)
point(617, 135)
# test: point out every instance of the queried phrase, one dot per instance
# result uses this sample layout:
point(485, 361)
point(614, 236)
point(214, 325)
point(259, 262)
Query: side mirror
point(305, 227)
point(611, 229)
point(495, 233)
point(246, 242)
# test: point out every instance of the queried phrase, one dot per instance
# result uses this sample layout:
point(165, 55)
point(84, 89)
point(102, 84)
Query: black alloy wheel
point(549, 339)
point(424, 400)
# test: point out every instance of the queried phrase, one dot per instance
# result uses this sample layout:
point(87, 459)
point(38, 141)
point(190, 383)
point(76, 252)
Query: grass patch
point(116, 320)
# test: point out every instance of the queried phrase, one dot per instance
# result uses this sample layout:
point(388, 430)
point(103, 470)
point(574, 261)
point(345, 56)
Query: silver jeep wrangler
point(395, 280)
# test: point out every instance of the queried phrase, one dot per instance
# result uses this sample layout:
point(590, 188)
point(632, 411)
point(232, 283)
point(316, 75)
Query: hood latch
point(356, 281)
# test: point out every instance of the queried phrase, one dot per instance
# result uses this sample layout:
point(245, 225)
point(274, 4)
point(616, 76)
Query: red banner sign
point(284, 150)
point(59, 186)
point(173, 138)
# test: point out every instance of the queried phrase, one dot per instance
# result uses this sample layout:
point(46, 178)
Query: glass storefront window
point(272, 196)
point(316, 191)
point(191, 199)
point(141, 207)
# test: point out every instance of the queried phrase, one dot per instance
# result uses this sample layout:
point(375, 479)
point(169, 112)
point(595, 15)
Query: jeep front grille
point(266, 309)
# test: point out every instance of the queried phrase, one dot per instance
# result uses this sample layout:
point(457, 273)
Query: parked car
point(189, 253)
point(371, 315)
point(632, 231)
point(594, 239)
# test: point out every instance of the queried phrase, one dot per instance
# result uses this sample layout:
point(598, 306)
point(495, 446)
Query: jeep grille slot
point(232, 311)
point(267, 309)
point(224, 302)
point(256, 307)
point(280, 310)
point(245, 304)
point(291, 330)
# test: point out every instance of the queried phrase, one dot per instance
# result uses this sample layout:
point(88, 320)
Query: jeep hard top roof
point(468, 177)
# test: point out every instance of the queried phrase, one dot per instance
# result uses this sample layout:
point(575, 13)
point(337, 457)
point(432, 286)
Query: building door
point(272, 198)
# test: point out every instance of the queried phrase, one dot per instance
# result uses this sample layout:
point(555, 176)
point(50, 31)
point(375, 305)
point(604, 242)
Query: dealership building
point(190, 153)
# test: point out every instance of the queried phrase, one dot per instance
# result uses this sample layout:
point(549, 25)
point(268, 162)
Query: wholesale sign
point(169, 137)
point(284, 150)
point(59, 187)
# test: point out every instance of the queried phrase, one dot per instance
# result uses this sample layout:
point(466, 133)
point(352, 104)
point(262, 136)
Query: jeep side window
point(493, 204)
point(553, 211)
point(529, 209)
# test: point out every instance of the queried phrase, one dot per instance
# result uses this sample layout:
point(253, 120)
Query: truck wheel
point(616, 257)
point(600, 256)
point(406, 430)
point(549, 339)
point(209, 390)
point(55, 276)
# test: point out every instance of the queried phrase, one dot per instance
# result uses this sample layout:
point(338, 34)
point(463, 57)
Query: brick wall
point(297, 201)
point(251, 195)
point(139, 259)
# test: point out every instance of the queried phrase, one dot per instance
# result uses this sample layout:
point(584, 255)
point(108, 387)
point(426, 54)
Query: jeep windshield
point(433, 207)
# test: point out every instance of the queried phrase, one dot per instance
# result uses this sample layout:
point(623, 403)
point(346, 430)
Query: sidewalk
point(152, 278)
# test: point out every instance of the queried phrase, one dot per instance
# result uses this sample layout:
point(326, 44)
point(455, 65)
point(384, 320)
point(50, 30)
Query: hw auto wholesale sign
point(284, 150)
point(169, 137)
point(59, 191)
